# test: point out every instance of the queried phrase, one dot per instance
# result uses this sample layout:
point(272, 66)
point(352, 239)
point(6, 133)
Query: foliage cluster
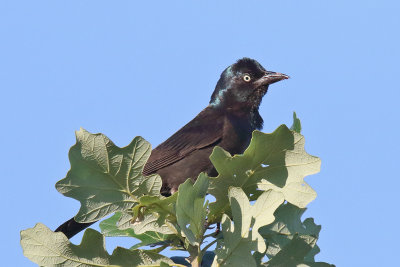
point(260, 197)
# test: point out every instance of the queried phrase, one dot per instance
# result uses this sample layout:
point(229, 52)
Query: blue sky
point(127, 69)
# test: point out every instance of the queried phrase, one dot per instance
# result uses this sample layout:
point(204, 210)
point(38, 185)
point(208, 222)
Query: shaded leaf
point(191, 209)
point(155, 214)
point(286, 225)
point(106, 178)
point(109, 227)
point(47, 248)
point(296, 126)
point(155, 223)
point(240, 236)
point(294, 253)
point(163, 206)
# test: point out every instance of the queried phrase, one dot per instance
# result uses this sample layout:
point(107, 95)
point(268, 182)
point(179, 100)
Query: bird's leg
point(208, 227)
point(218, 229)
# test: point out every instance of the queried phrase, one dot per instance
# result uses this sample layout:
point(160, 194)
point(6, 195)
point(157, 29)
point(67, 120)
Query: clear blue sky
point(127, 69)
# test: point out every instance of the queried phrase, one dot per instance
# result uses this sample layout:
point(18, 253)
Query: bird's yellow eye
point(247, 78)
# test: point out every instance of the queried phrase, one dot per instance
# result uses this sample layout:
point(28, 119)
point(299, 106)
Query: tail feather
point(71, 227)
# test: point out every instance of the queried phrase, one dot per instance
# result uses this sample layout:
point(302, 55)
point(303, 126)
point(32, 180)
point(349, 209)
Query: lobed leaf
point(151, 214)
point(274, 161)
point(116, 226)
point(156, 214)
point(191, 210)
point(47, 248)
point(240, 236)
point(298, 165)
point(286, 225)
point(294, 253)
point(106, 178)
point(292, 236)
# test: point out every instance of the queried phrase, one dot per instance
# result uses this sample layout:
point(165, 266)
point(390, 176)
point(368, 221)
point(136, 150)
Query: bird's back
point(186, 153)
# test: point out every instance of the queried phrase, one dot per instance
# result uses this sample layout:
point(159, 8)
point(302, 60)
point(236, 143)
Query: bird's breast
point(237, 133)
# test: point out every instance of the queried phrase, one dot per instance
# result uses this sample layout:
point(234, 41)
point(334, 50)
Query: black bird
point(228, 121)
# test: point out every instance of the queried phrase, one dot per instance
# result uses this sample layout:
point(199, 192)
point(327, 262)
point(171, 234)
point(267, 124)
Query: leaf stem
point(209, 245)
point(209, 235)
point(159, 249)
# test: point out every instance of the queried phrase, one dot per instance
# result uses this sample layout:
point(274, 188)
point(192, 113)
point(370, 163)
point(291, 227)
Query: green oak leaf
point(151, 214)
point(296, 126)
point(111, 227)
point(286, 225)
point(294, 253)
point(298, 165)
point(149, 221)
point(155, 214)
point(191, 210)
point(46, 248)
point(240, 236)
point(164, 206)
point(274, 161)
point(106, 178)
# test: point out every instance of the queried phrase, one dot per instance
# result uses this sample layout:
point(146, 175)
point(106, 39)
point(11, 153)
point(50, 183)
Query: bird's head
point(244, 84)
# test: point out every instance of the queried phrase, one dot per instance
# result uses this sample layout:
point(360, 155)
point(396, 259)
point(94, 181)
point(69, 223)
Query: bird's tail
point(71, 227)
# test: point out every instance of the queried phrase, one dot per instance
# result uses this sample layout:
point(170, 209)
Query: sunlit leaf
point(47, 248)
point(274, 161)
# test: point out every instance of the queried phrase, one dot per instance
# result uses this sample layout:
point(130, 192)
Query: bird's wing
point(204, 130)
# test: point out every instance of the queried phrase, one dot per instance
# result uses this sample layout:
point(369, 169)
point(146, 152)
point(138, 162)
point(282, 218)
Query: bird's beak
point(271, 77)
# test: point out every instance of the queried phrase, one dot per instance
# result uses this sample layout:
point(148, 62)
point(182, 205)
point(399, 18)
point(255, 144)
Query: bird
point(228, 122)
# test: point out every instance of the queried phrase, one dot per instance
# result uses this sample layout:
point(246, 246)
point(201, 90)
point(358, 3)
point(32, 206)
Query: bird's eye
point(247, 78)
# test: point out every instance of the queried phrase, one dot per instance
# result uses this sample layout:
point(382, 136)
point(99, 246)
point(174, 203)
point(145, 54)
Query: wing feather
point(204, 130)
